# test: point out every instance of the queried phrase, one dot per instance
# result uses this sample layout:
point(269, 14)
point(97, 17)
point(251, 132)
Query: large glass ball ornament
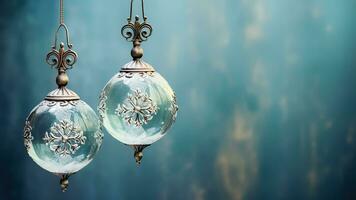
point(137, 108)
point(62, 134)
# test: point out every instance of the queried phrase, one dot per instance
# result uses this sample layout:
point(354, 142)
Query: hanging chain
point(61, 14)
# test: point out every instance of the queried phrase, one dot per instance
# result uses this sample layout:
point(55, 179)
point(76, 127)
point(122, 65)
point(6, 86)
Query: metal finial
point(136, 32)
point(64, 182)
point(62, 59)
point(138, 154)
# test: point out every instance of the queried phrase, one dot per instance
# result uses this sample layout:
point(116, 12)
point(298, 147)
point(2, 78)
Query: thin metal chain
point(61, 13)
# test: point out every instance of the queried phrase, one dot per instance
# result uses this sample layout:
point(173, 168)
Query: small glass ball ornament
point(137, 106)
point(62, 134)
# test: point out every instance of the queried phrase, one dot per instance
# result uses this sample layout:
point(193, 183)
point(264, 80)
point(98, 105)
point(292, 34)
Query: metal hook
point(62, 25)
point(143, 10)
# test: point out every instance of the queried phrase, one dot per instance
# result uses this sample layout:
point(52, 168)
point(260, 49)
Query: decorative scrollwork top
point(62, 59)
point(136, 31)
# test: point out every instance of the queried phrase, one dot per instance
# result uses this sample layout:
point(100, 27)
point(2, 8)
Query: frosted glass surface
point(154, 97)
point(79, 134)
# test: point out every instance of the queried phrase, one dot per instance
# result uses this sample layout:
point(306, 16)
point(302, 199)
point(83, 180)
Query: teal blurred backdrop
point(266, 90)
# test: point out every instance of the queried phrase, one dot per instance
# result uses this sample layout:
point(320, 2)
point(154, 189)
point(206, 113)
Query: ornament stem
point(62, 77)
point(136, 51)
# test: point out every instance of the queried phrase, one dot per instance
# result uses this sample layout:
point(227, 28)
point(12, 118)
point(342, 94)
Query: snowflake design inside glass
point(64, 138)
point(137, 109)
point(27, 135)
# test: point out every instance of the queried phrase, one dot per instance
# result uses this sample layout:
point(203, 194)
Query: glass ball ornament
point(62, 136)
point(137, 106)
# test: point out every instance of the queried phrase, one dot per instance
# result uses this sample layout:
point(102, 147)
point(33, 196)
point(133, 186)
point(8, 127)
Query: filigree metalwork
point(174, 107)
point(27, 135)
point(131, 74)
point(136, 30)
point(102, 105)
point(60, 103)
point(137, 109)
point(99, 136)
point(64, 138)
point(62, 59)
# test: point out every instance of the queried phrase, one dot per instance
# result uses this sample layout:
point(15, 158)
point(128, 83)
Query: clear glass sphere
point(137, 108)
point(62, 136)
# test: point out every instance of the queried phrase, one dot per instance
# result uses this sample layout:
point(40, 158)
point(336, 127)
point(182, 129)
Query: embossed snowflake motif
point(64, 138)
point(137, 109)
point(27, 135)
point(174, 107)
point(102, 105)
point(99, 136)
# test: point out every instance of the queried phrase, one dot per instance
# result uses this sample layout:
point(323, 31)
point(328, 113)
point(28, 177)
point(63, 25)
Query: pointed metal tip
point(139, 153)
point(64, 182)
point(138, 157)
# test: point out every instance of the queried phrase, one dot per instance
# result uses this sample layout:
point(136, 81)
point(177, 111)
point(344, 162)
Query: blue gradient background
point(266, 91)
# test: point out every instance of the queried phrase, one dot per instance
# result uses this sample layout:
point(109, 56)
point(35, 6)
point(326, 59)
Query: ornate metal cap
point(62, 94)
point(137, 66)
